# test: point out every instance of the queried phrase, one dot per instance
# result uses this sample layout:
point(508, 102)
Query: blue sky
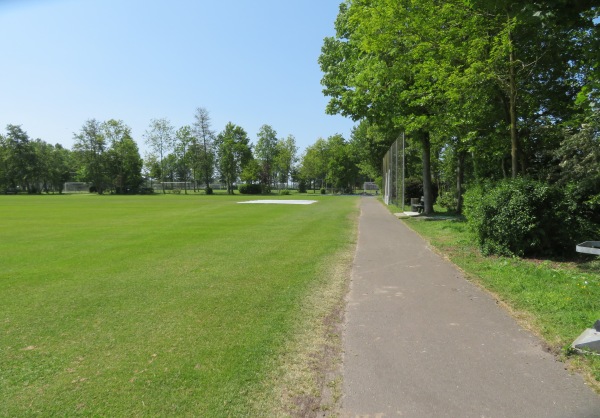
point(248, 62)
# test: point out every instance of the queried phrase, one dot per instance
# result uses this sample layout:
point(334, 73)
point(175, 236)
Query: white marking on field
point(282, 202)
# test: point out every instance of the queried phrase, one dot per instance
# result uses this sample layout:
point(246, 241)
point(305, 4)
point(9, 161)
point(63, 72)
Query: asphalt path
point(421, 341)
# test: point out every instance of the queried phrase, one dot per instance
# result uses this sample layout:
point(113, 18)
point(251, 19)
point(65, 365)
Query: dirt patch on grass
point(307, 381)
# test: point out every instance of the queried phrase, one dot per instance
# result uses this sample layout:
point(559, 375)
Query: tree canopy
point(495, 81)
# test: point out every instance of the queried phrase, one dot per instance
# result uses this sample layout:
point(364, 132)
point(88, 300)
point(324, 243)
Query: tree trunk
point(427, 184)
point(460, 177)
point(512, 99)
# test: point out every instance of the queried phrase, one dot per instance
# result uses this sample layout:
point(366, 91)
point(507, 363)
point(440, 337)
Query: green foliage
point(523, 217)
point(285, 192)
point(266, 153)
point(250, 188)
point(233, 153)
point(203, 145)
point(160, 138)
point(285, 158)
point(123, 162)
point(323, 191)
point(447, 201)
point(302, 186)
point(208, 190)
point(579, 167)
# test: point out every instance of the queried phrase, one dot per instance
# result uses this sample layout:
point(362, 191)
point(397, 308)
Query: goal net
point(369, 186)
point(76, 187)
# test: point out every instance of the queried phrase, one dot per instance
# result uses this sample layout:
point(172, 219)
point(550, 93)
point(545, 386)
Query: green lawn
point(555, 299)
point(155, 305)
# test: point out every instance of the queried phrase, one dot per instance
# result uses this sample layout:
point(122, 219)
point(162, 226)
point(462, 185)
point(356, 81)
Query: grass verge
point(556, 300)
point(165, 305)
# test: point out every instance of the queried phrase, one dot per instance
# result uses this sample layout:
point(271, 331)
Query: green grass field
point(156, 305)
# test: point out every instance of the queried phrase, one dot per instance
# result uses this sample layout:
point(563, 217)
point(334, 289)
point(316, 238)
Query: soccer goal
point(370, 187)
point(174, 185)
point(76, 187)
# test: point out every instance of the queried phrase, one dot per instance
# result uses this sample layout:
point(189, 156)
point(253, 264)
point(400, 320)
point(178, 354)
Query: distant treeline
point(107, 158)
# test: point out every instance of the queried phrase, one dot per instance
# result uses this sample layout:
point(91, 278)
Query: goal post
point(369, 186)
point(76, 187)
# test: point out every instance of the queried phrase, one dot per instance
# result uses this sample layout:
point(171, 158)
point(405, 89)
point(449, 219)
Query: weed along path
point(421, 341)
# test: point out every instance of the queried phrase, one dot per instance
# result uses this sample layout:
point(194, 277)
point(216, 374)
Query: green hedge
point(250, 189)
point(524, 217)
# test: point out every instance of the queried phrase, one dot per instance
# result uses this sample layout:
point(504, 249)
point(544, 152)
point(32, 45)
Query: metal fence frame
point(393, 174)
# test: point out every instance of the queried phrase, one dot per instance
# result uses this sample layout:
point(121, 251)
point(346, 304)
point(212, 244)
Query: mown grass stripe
point(152, 305)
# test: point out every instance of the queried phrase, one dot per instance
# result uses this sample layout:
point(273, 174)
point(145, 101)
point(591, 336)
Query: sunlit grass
point(153, 305)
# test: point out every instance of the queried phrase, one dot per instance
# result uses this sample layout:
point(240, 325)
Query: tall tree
point(314, 162)
point(61, 166)
point(341, 167)
point(534, 53)
point(285, 158)
point(233, 153)
point(184, 138)
point(383, 66)
point(90, 149)
point(266, 152)
point(205, 149)
point(159, 137)
point(124, 163)
point(19, 160)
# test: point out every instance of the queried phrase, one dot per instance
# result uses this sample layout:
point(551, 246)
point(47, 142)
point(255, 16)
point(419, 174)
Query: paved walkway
point(421, 341)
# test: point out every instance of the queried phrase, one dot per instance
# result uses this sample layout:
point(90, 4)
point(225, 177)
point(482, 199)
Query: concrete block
point(589, 340)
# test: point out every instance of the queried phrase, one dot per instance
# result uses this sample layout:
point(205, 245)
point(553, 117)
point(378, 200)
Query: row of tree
point(107, 157)
point(197, 154)
point(32, 165)
point(483, 89)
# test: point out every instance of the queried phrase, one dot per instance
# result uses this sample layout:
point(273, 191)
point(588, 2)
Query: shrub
point(448, 201)
point(523, 217)
point(284, 192)
point(323, 191)
point(302, 186)
point(249, 188)
point(208, 190)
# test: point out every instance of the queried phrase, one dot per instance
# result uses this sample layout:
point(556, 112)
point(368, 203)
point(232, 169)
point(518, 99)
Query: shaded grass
point(153, 305)
point(555, 299)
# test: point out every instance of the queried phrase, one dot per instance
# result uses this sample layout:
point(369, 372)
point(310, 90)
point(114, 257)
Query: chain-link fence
point(393, 174)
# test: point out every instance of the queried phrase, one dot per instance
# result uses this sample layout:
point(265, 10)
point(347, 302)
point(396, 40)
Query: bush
point(146, 190)
point(448, 201)
point(302, 186)
point(250, 188)
point(323, 191)
point(208, 190)
point(284, 192)
point(523, 217)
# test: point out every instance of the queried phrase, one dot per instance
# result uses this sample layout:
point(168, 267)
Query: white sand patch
point(282, 202)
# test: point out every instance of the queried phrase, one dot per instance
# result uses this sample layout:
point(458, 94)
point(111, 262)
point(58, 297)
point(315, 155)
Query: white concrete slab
point(282, 202)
